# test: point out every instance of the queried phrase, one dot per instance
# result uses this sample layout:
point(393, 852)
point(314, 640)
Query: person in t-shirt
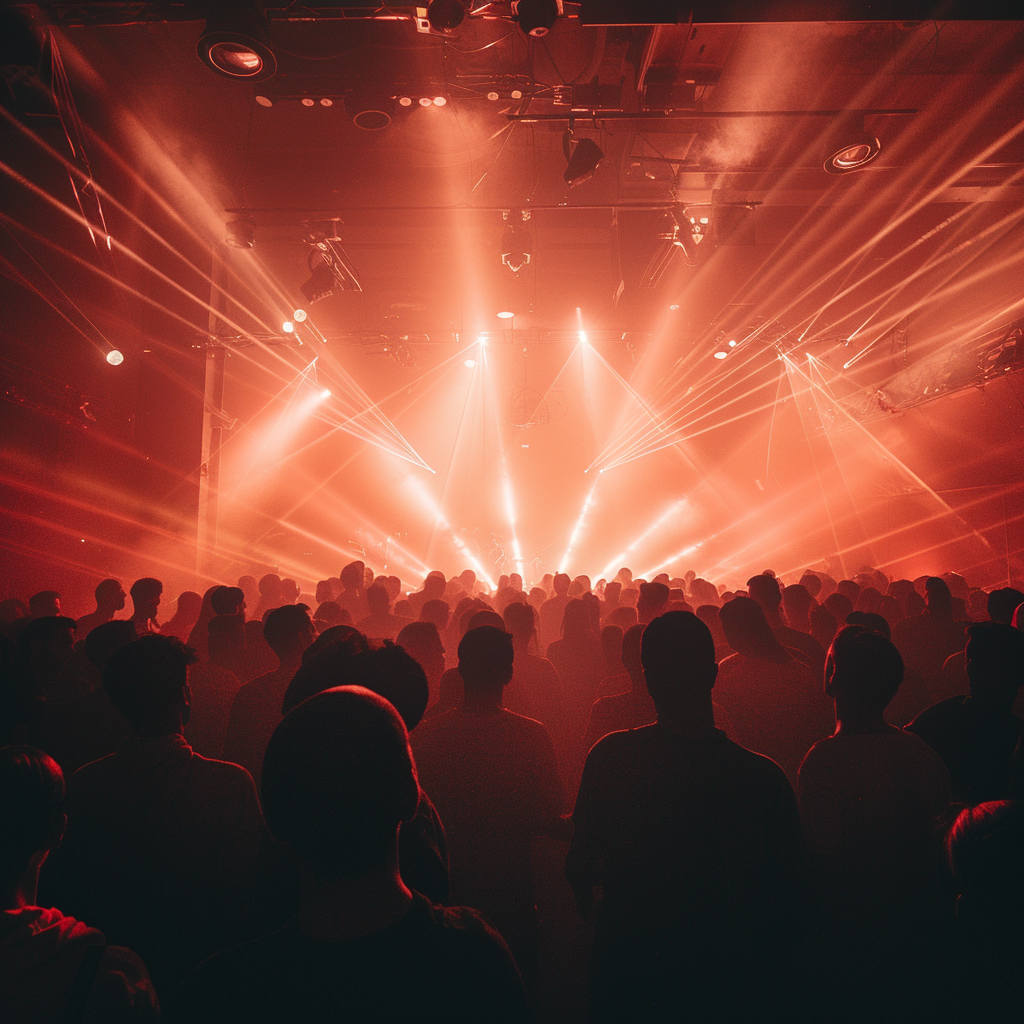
point(976, 735)
point(338, 779)
point(870, 797)
point(161, 846)
point(687, 849)
point(53, 969)
point(492, 776)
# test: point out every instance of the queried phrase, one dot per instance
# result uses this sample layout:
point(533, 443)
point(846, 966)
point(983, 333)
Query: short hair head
point(1002, 603)
point(338, 780)
point(44, 604)
point(146, 681)
point(995, 658)
point(864, 668)
point(285, 627)
point(31, 807)
point(352, 575)
point(377, 598)
point(146, 589)
point(765, 590)
point(485, 657)
point(109, 592)
point(520, 620)
point(227, 600)
point(328, 662)
point(677, 652)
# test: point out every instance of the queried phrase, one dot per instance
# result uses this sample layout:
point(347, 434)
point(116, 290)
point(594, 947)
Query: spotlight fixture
point(321, 284)
point(236, 41)
point(115, 357)
point(515, 246)
point(299, 315)
point(444, 15)
point(848, 147)
point(240, 233)
point(288, 327)
point(505, 314)
point(536, 17)
point(582, 161)
point(721, 354)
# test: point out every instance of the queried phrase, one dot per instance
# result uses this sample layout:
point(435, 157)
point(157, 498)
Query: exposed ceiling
point(917, 251)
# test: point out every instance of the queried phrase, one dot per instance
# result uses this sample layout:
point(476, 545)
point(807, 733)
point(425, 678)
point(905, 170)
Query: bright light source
point(732, 344)
point(524, 446)
point(440, 101)
point(510, 505)
point(424, 101)
point(325, 102)
point(674, 306)
point(492, 95)
point(308, 102)
point(721, 355)
point(506, 314)
point(299, 315)
point(115, 357)
point(264, 101)
point(516, 94)
point(287, 327)
point(326, 393)
point(469, 362)
point(482, 340)
point(405, 101)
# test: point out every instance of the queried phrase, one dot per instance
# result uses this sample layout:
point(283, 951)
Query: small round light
point(516, 94)
point(264, 101)
point(287, 327)
point(405, 101)
point(492, 95)
point(326, 102)
point(115, 357)
point(469, 362)
point(482, 340)
point(506, 314)
point(299, 315)
point(425, 101)
point(721, 355)
point(326, 393)
point(732, 344)
point(440, 101)
point(674, 306)
point(308, 101)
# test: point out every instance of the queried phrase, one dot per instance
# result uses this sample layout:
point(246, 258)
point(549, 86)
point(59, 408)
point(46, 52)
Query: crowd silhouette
point(629, 800)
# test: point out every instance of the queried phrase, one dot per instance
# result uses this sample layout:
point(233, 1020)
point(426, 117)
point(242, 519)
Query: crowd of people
point(793, 800)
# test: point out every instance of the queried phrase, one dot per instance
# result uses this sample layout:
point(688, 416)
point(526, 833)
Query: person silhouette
point(338, 781)
point(694, 844)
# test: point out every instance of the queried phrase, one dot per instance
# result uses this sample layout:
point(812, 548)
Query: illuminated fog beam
point(634, 454)
point(564, 561)
point(441, 520)
point(888, 454)
point(138, 260)
point(674, 509)
point(683, 553)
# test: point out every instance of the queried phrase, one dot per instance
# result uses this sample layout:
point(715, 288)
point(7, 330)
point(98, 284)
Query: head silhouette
point(485, 659)
point(110, 596)
point(748, 632)
point(1002, 603)
point(147, 681)
point(338, 780)
point(31, 809)
point(863, 671)
point(678, 658)
point(995, 662)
